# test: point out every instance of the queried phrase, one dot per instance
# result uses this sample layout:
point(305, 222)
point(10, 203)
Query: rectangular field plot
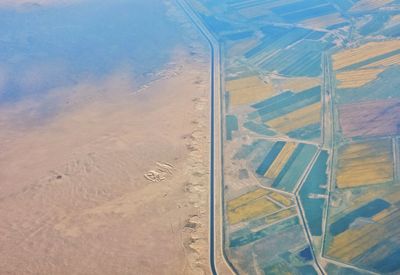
point(324, 21)
point(370, 119)
point(251, 9)
point(300, 11)
point(246, 198)
point(268, 4)
point(297, 119)
point(256, 204)
point(277, 247)
point(284, 164)
point(247, 90)
point(270, 158)
point(301, 15)
point(383, 88)
point(289, 51)
point(275, 38)
point(231, 126)
point(365, 163)
point(294, 167)
point(297, 115)
point(367, 5)
point(296, 84)
point(251, 210)
point(385, 62)
point(357, 78)
point(280, 160)
point(366, 54)
point(258, 128)
point(368, 236)
point(301, 60)
point(282, 106)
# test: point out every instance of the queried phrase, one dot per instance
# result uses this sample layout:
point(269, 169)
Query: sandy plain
point(74, 198)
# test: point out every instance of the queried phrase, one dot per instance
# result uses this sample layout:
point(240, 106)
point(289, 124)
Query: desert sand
point(74, 196)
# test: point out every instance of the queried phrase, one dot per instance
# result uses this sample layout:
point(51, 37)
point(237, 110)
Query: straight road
point(213, 44)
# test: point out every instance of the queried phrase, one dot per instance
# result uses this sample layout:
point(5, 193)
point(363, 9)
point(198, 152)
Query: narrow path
point(330, 93)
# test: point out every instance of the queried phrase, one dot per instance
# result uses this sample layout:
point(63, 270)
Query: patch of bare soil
point(114, 183)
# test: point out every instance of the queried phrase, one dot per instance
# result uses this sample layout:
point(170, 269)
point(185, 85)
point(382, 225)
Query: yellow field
point(367, 197)
point(393, 197)
point(357, 78)
point(296, 84)
point(251, 210)
point(324, 21)
point(390, 61)
point(281, 215)
point(280, 160)
point(246, 198)
point(243, 83)
point(297, 119)
point(365, 164)
point(383, 214)
point(248, 89)
point(351, 56)
point(354, 242)
point(364, 5)
point(285, 200)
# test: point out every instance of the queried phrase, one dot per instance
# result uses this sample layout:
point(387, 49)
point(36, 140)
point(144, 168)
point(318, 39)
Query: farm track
point(330, 91)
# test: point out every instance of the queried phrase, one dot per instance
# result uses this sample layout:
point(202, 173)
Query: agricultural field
point(367, 5)
point(295, 59)
point(254, 218)
point(247, 90)
point(325, 21)
point(231, 126)
point(365, 234)
point(364, 55)
point(375, 118)
point(383, 88)
point(260, 203)
point(284, 164)
point(276, 226)
point(365, 74)
point(365, 163)
point(295, 84)
point(311, 134)
point(297, 115)
point(357, 78)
